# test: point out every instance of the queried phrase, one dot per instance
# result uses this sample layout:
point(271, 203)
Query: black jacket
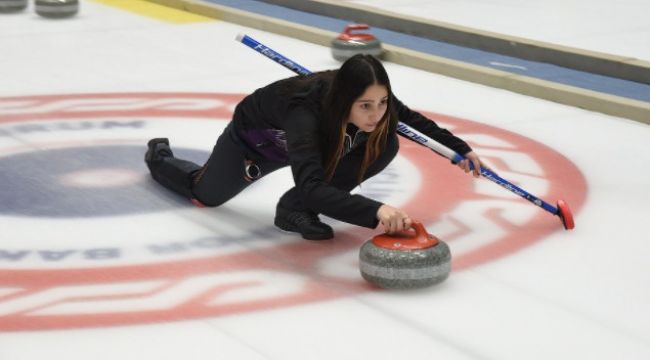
point(285, 129)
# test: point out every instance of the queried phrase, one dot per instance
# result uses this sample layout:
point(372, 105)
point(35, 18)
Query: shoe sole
point(155, 141)
point(151, 145)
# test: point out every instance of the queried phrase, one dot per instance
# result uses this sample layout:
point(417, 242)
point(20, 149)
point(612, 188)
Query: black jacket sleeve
point(428, 127)
point(305, 159)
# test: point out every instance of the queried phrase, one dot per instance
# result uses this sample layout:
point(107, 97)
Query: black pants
point(224, 174)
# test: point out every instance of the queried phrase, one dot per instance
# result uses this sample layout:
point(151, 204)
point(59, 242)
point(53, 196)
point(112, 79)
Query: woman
point(334, 128)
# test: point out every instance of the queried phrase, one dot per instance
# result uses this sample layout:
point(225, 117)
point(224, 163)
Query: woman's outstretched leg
point(221, 178)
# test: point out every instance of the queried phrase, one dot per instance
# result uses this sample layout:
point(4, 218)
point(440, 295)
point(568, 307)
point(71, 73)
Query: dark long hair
point(349, 83)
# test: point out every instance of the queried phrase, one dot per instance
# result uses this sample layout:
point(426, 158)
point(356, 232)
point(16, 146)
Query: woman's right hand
point(393, 219)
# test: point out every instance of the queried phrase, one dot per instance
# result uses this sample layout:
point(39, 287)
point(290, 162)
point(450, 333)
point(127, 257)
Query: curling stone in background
point(56, 8)
point(349, 43)
point(407, 260)
point(10, 6)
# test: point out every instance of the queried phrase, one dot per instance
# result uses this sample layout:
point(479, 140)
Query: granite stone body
point(345, 49)
point(404, 269)
point(9, 6)
point(56, 8)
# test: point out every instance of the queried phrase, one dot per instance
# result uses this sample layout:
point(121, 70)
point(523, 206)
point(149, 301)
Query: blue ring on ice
point(42, 183)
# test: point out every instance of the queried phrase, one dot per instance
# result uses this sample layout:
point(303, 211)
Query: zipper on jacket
point(351, 141)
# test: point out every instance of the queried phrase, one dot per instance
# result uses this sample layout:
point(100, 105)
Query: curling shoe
point(158, 149)
point(306, 223)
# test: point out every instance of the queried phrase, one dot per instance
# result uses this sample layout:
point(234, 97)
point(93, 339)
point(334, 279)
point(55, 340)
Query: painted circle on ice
point(91, 240)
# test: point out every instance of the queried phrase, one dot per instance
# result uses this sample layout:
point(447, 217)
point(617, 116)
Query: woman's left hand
point(476, 161)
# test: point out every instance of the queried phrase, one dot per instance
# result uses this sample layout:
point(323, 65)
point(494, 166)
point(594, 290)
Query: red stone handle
point(348, 33)
point(351, 27)
point(407, 240)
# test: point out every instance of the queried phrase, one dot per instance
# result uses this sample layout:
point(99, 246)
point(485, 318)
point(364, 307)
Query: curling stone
point(9, 6)
point(56, 8)
point(407, 260)
point(349, 43)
